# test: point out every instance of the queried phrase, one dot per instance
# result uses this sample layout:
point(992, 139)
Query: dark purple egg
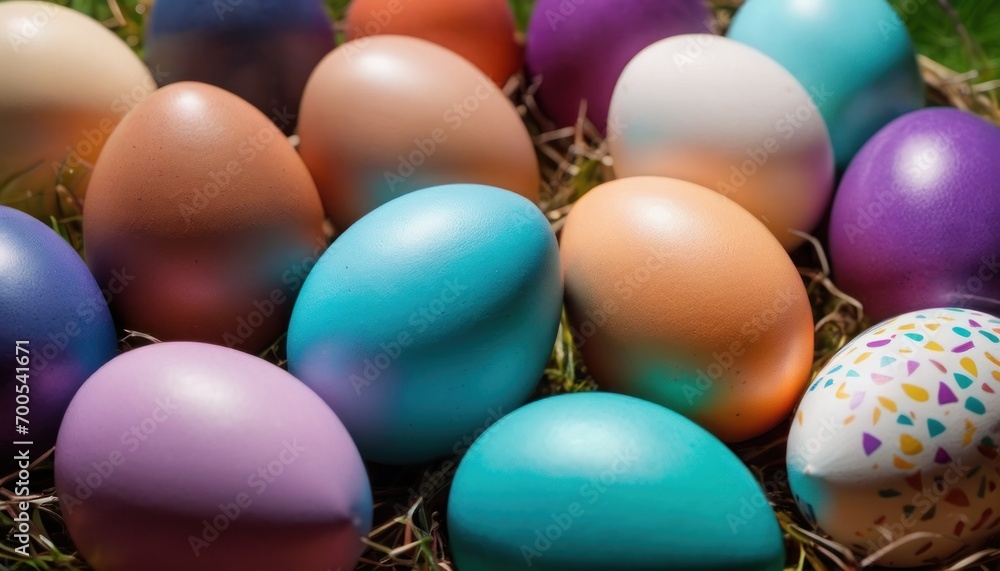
point(199, 457)
point(55, 330)
point(916, 221)
point(578, 49)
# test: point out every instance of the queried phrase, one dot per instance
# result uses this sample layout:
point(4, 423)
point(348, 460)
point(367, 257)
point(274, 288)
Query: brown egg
point(388, 115)
point(202, 221)
point(481, 31)
point(65, 82)
point(679, 296)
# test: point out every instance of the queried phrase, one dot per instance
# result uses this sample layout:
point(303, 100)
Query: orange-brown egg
point(202, 221)
point(678, 295)
point(388, 115)
point(481, 31)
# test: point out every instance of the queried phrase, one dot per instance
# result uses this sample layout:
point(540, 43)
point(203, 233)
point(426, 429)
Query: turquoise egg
point(599, 481)
point(855, 58)
point(429, 319)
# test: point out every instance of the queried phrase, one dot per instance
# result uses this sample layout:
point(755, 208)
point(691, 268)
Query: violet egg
point(914, 223)
point(196, 457)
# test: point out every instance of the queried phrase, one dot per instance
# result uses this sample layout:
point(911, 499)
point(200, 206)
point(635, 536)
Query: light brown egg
point(388, 115)
point(65, 82)
point(679, 296)
point(481, 31)
point(202, 221)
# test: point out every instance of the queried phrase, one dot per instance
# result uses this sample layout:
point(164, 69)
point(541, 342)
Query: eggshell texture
point(51, 305)
point(898, 435)
point(481, 31)
point(430, 318)
point(53, 133)
point(210, 459)
point(920, 203)
point(416, 115)
point(261, 50)
point(579, 49)
point(678, 296)
point(720, 114)
point(854, 57)
point(204, 218)
point(597, 481)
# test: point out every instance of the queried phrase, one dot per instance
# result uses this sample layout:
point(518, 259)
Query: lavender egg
point(578, 49)
point(196, 457)
point(914, 223)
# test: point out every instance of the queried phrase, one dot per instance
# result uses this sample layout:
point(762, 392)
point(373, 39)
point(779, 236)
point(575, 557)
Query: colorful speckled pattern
point(898, 434)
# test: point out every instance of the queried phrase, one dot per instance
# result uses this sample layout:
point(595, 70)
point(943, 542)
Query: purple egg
point(55, 330)
point(578, 49)
point(916, 221)
point(193, 456)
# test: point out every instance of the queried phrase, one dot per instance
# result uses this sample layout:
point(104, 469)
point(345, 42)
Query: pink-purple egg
point(578, 49)
point(915, 221)
point(194, 456)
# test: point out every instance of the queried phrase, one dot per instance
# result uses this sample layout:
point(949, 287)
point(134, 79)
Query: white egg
point(899, 434)
point(715, 112)
point(66, 82)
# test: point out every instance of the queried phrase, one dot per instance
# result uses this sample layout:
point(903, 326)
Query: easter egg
point(429, 319)
point(204, 218)
point(854, 57)
point(208, 458)
point(679, 296)
point(67, 81)
point(920, 204)
point(261, 50)
point(416, 115)
point(717, 113)
point(577, 50)
point(481, 31)
point(55, 329)
point(599, 481)
point(898, 435)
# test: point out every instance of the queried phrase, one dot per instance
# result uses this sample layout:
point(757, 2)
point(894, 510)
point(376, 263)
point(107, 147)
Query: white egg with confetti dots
point(898, 435)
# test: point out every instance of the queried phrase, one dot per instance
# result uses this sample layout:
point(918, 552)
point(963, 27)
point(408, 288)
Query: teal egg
point(598, 481)
point(429, 319)
point(855, 58)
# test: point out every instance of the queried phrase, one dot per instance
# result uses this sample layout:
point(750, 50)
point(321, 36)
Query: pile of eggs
point(422, 330)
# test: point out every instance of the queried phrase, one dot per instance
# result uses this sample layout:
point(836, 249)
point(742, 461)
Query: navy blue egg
point(429, 319)
point(261, 50)
point(50, 303)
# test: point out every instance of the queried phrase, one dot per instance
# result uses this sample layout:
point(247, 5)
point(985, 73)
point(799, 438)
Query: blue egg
point(429, 319)
point(855, 58)
point(261, 50)
point(599, 481)
point(55, 330)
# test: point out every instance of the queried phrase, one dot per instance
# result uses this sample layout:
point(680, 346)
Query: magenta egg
point(194, 456)
point(578, 49)
point(915, 221)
